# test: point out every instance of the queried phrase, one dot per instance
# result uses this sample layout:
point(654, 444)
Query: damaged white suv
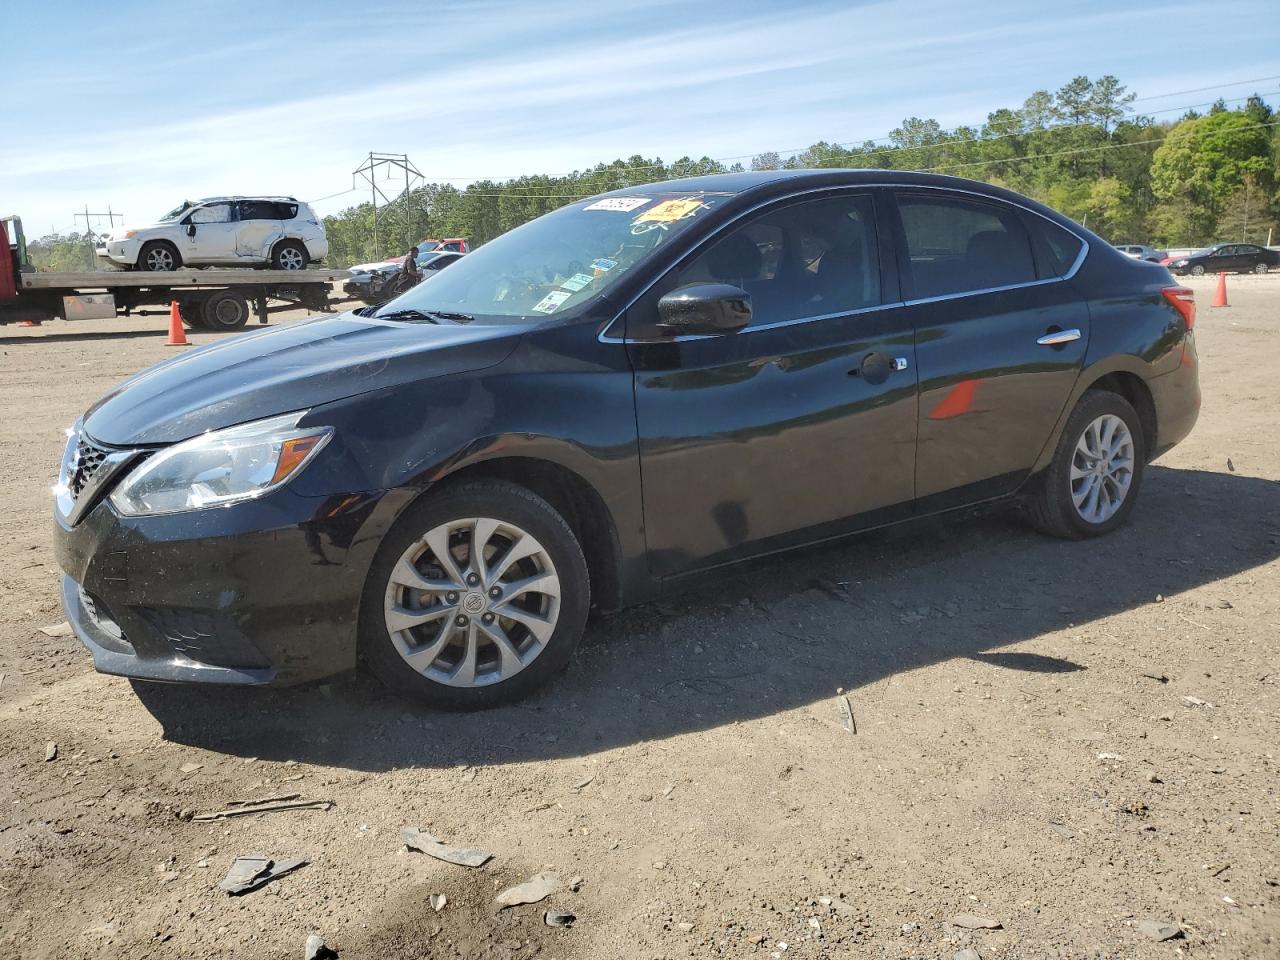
point(278, 232)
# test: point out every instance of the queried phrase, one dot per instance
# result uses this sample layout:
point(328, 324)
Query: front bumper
point(261, 592)
point(122, 252)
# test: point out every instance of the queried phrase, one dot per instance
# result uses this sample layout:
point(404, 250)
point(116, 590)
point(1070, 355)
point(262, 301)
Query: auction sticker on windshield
point(622, 204)
point(552, 301)
point(668, 211)
point(577, 282)
point(604, 264)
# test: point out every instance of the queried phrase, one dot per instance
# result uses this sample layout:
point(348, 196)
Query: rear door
point(260, 227)
point(802, 424)
point(1000, 339)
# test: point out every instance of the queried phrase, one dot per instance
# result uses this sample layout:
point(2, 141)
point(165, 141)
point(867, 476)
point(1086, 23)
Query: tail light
point(1183, 300)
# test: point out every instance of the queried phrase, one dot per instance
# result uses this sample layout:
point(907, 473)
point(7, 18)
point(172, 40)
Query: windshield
point(176, 212)
point(558, 262)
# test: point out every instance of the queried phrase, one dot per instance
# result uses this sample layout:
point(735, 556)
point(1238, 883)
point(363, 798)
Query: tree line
point(1082, 150)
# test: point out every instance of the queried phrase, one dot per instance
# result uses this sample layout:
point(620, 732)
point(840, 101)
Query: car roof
point(250, 197)
point(762, 185)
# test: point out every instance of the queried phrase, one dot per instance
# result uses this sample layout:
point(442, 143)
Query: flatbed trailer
point(213, 298)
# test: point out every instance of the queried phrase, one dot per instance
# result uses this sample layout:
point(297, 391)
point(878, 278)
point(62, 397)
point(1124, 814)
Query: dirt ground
point(1065, 739)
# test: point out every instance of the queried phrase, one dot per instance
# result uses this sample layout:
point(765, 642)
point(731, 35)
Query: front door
point(1000, 340)
point(800, 426)
point(213, 239)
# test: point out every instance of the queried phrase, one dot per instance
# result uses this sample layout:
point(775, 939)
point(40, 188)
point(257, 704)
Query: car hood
point(287, 368)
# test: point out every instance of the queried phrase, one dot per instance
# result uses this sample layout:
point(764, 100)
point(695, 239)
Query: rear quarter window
point(1056, 248)
point(286, 211)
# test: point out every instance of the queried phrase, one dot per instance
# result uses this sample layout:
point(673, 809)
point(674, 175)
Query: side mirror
point(704, 308)
point(191, 229)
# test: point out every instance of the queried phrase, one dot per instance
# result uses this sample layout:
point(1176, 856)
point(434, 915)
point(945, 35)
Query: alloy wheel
point(159, 258)
point(291, 259)
point(1102, 468)
point(472, 602)
point(1260, 268)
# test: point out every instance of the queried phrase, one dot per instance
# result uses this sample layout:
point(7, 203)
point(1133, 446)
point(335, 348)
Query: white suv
point(224, 231)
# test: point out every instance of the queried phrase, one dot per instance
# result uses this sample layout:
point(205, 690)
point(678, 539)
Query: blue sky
point(142, 105)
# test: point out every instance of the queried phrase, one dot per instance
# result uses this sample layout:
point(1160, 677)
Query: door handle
point(1057, 338)
point(876, 367)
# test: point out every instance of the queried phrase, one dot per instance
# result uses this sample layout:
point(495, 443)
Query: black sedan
point(1228, 257)
point(449, 485)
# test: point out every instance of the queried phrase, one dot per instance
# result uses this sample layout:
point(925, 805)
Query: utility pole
point(88, 228)
point(387, 162)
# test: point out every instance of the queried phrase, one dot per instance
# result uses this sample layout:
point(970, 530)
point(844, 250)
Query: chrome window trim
point(1075, 266)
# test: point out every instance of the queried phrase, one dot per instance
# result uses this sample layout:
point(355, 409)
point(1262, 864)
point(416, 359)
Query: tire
point(1052, 509)
point(157, 256)
point(556, 606)
point(1197, 270)
point(289, 255)
point(224, 310)
point(1259, 268)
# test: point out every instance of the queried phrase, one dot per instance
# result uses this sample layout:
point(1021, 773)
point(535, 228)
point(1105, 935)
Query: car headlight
point(220, 468)
point(129, 235)
point(1179, 263)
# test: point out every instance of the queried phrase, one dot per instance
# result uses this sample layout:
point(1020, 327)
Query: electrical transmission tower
point(388, 163)
point(88, 228)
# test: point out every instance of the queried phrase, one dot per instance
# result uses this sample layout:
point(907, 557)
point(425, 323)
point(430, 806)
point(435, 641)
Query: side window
point(1056, 249)
point(284, 211)
point(957, 245)
point(258, 210)
point(213, 213)
point(808, 259)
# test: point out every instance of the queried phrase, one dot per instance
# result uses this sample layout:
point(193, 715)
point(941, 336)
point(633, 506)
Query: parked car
point(278, 232)
point(448, 485)
point(1230, 257)
point(378, 284)
point(1140, 251)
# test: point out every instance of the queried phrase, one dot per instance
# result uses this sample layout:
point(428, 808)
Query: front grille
point(88, 460)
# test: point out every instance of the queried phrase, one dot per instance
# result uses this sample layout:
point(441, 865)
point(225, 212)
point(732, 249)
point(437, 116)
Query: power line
point(531, 192)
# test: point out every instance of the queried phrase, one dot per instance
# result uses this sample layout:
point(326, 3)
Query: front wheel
point(1090, 487)
point(478, 596)
point(1197, 271)
point(158, 257)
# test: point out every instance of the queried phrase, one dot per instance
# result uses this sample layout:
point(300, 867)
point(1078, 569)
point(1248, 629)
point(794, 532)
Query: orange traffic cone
point(1220, 298)
point(177, 336)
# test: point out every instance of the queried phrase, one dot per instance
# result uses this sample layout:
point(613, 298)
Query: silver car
point(280, 232)
point(1141, 251)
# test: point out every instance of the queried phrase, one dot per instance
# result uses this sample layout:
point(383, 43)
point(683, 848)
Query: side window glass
point(1056, 249)
point(213, 213)
point(808, 259)
point(957, 246)
point(284, 211)
point(258, 210)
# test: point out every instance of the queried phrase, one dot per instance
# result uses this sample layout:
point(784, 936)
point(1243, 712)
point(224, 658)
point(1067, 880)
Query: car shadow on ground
point(781, 635)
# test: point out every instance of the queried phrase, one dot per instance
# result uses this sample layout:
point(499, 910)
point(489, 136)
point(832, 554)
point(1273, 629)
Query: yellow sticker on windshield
point(668, 211)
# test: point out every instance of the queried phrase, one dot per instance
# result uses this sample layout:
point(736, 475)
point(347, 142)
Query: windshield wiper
point(431, 316)
point(405, 315)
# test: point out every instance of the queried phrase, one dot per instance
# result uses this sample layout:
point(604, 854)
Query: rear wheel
point(1259, 268)
point(158, 256)
point(289, 255)
point(224, 310)
point(477, 597)
point(1090, 487)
